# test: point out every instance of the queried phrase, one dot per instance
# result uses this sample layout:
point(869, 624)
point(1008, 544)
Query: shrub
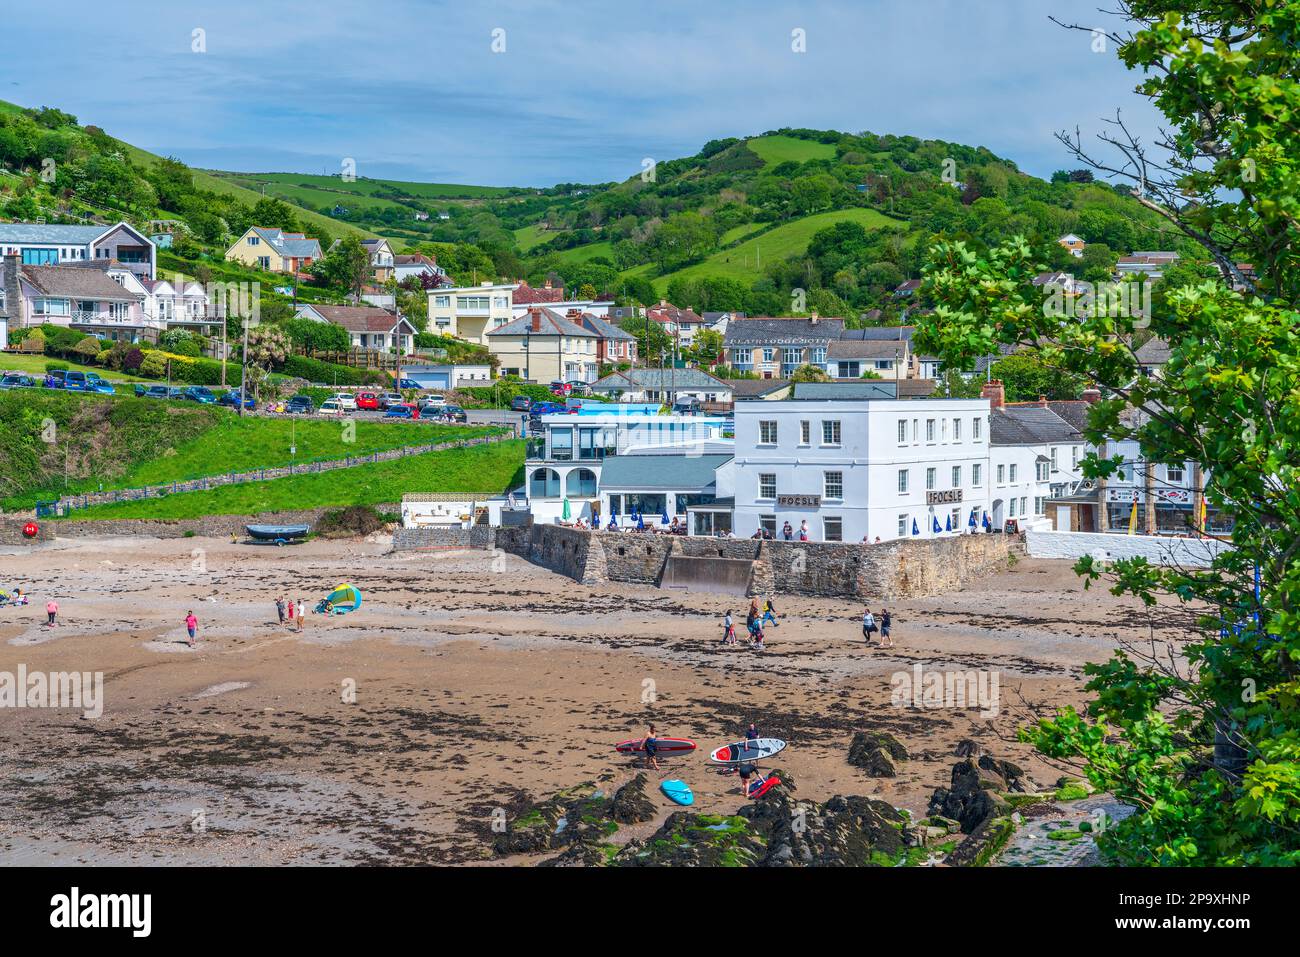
point(88, 347)
point(55, 366)
point(313, 370)
point(355, 520)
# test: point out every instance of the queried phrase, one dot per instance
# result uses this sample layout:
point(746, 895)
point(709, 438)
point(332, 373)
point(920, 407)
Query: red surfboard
point(662, 746)
point(760, 786)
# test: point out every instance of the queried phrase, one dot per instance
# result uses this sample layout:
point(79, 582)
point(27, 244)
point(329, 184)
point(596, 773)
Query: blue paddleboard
point(678, 791)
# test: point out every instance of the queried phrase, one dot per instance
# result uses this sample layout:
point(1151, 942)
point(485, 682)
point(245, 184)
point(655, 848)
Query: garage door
point(429, 380)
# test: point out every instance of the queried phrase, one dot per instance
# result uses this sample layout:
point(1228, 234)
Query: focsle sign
point(947, 497)
point(799, 501)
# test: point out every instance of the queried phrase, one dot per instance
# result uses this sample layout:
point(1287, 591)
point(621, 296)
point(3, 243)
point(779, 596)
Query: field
point(485, 468)
point(744, 262)
point(774, 150)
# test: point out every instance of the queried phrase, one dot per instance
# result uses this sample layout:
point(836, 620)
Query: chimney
point(537, 318)
point(663, 302)
point(813, 319)
point(1091, 395)
point(1042, 401)
point(547, 284)
point(994, 392)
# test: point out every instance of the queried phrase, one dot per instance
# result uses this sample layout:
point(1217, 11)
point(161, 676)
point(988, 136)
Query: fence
point(67, 504)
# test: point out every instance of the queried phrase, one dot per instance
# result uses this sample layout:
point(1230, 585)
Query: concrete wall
point(1160, 550)
point(212, 526)
point(11, 532)
point(414, 539)
point(899, 569)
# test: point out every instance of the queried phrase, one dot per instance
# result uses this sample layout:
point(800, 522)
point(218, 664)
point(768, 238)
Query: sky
point(534, 93)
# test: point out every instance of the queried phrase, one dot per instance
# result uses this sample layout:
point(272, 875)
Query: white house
point(471, 312)
point(368, 326)
point(38, 244)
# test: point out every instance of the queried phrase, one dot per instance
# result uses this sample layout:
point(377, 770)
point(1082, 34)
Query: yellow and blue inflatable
point(343, 599)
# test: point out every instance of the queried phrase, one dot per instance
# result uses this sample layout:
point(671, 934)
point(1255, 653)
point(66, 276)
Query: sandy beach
point(468, 685)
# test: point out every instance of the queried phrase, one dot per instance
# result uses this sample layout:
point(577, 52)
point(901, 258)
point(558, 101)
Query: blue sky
point(582, 92)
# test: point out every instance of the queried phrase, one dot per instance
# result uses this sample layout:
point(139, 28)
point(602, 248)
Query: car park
point(367, 401)
point(300, 405)
point(406, 411)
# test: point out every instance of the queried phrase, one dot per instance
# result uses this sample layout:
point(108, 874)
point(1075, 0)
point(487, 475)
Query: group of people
point(292, 613)
point(871, 624)
point(755, 618)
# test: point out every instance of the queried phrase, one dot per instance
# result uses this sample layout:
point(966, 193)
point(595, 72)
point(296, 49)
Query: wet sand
point(480, 684)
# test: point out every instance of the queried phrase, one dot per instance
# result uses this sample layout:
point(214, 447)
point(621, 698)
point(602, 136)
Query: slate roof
point(294, 245)
point(1030, 424)
point(553, 324)
point(756, 388)
point(867, 349)
point(1154, 352)
point(659, 380)
point(847, 389)
point(653, 472)
point(51, 233)
point(603, 328)
point(878, 333)
point(777, 332)
point(72, 282)
point(360, 318)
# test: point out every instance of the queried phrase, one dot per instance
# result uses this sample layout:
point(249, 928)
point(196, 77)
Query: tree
point(809, 373)
point(1204, 740)
point(1025, 377)
point(347, 265)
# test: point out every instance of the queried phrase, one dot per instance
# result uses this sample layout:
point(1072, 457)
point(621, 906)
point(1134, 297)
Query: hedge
point(314, 370)
point(195, 371)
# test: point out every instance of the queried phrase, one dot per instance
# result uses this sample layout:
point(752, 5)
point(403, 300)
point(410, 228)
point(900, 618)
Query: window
point(767, 432)
point(1024, 505)
point(1011, 513)
point(833, 485)
point(253, 241)
point(976, 428)
point(977, 475)
point(805, 432)
point(768, 524)
point(767, 485)
point(831, 432)
point(902, 480)
point(792, 357)
point(902, 431)
point(1074, 456)
point(1002, 475)
point(1174, 473)
point(884, 364)
point(956, 476)
point(916, 432)
point(930, 478)
point(929, 430)
point(562, 444)
point(903, 524)
point(768, 354)
point(956, 430)
point(832, 528)
point(1038, 505)
point(545, 483)
point(1054, 450)
point(819, 355)
point(581, 483)
point(1014, 469)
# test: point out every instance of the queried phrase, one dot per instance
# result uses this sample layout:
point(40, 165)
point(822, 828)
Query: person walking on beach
point(302, 613)
point(279, 608)
point(769, 614)
point(292, 611)
point(868, 625)
point(885, 623)
point(650, 745)
point(192, 626)
point(728, 630)
point(52, 611)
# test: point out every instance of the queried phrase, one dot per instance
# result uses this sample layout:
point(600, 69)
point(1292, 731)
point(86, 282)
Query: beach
point(468, 685)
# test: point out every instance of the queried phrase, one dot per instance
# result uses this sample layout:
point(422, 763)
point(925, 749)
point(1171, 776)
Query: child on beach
point(728, 630)
point(52, 610)
point(191, 625)
point(769, 614)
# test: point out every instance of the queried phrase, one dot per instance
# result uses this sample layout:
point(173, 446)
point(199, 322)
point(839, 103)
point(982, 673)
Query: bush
point(195, 371)
point(88, 348)
point(55, 366)
point(355, 520)
point(313, 370)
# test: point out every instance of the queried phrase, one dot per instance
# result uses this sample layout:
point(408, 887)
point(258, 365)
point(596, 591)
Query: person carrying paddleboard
point(650, 746)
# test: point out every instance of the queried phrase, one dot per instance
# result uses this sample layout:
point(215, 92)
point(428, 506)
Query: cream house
point(274, 250)
point(471, 312)
point(543, 346)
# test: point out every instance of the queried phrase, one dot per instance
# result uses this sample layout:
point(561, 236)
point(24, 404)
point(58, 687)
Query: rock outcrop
point(877, 753)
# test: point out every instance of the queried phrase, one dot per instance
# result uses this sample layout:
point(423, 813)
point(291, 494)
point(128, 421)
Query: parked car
point(199, 393)
point(232, 398)
point(560, 388)
point(551, 408)
point(54, 379)
point(368, 401)
point(140, 389)
point(391, 398)
point(16, 380)
point(329, 407)
point(521, 403)
point(577, 387)
point(157, 392)
point(686, 405)
point(406, 411)
point(101, 386)
point(74, 380)
point(300, 405)
point(406, 383)
point(455, 413)
point(345, 401)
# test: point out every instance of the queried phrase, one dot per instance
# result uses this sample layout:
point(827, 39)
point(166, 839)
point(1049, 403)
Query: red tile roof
point(526, 295)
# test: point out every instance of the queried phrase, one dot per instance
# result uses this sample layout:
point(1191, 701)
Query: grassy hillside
point(776, 149)
point(127, 442)
point(484, 468)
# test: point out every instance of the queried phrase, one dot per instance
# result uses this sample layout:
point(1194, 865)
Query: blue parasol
point(915, 529)
point(971, 523)
point(988, 526)
point(640, 522)
point(935, 519)
point(613, 521)
point(663, 519)
point(947, 524)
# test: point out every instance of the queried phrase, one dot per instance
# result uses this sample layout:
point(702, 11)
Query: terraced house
point(774, 348)
point(274, 250)
point(544, 346)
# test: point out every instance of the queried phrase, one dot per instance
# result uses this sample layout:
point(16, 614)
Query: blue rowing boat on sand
point(280, 534)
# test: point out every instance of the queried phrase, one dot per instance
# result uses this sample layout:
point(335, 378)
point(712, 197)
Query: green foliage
point(314, 370)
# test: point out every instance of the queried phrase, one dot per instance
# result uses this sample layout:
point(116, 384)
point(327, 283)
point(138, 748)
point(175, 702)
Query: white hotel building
point(860, 469)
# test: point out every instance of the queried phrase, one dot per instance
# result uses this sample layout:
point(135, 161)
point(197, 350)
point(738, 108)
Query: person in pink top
point(51, 609)
point(191, 625)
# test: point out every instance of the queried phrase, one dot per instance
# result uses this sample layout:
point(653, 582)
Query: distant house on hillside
point(1149, 264)
point(680, 324)
point(1073, 244)
point(907, 289)
point(774, 348)
point(274, 250)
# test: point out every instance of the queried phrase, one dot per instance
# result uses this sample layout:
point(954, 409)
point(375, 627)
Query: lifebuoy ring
point(31, 529)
